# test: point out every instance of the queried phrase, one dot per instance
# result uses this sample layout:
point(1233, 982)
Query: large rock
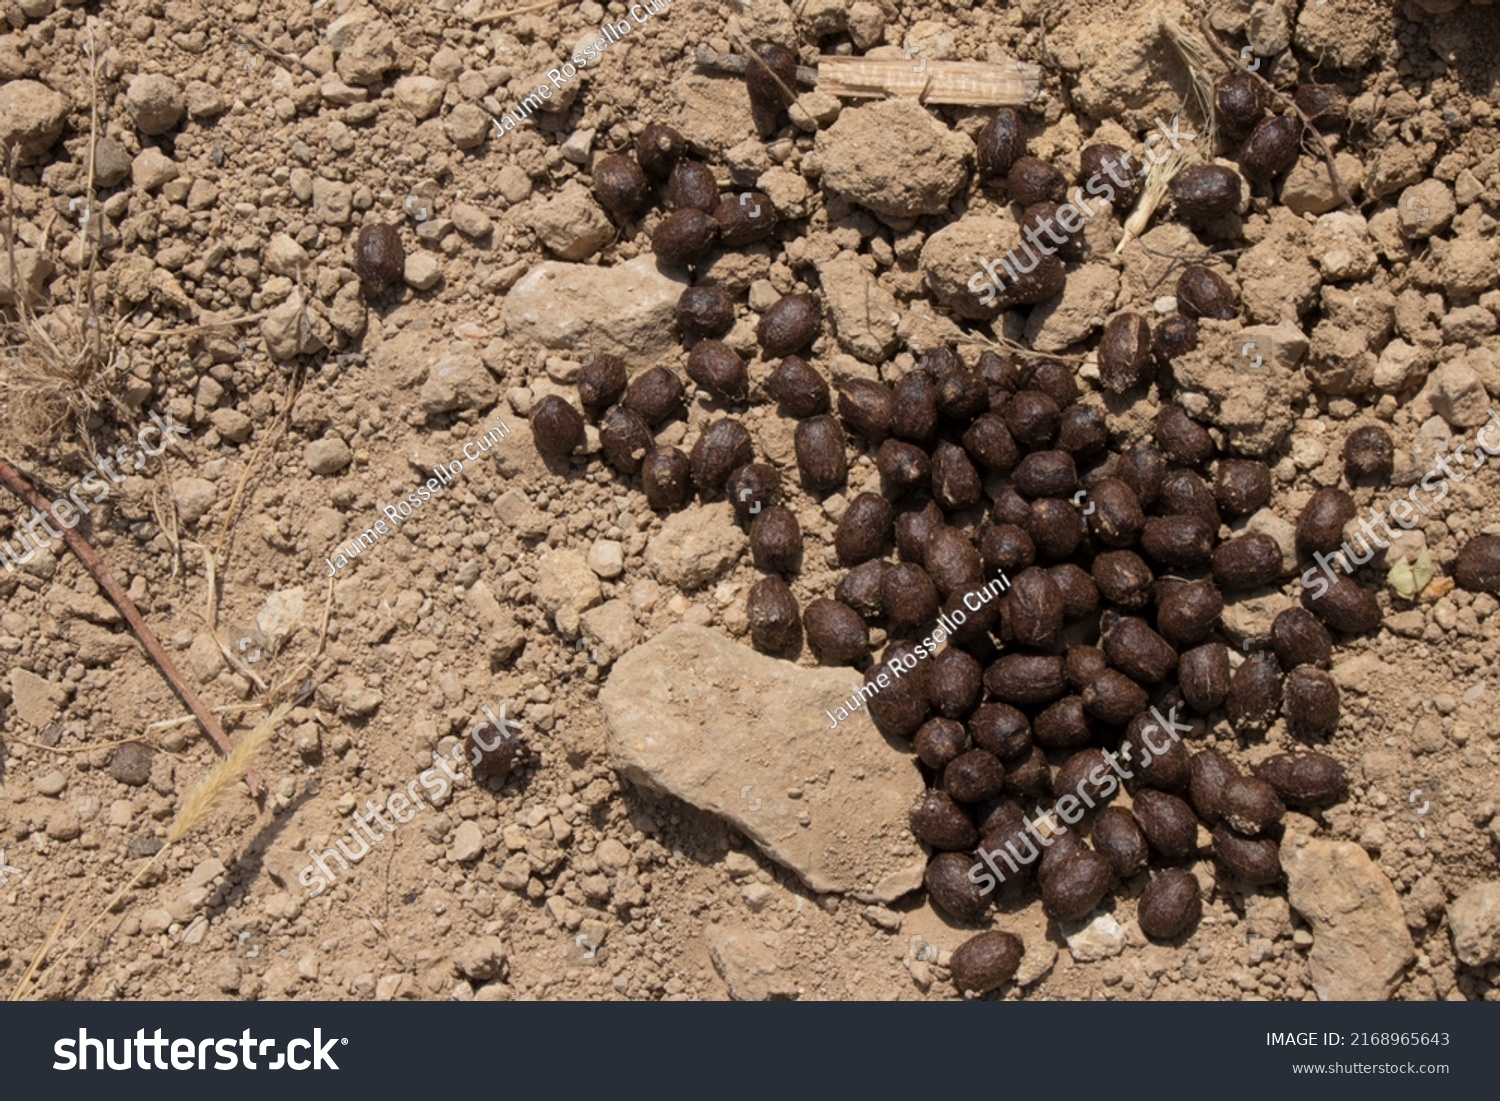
point(627, 310)
point(895, 158)
point(1360, 942)
point(731, 731)
point(1474, 919)
point(32, 117)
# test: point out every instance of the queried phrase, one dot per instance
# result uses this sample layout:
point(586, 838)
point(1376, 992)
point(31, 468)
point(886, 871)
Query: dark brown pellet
point(751, 488)
point(986, 962)
point(1117, 519)
point(904, 466)
point(900, 707)
point(1478, 566)
point(1033, 609)
point(1307, 780)
point(1256, 861)
point(1001, 729)
point(620, 185)
point(1058, 850)
point(1182, 439)
point(1070, 893)
point(1272, 148)
point(492, 750)
point(991, 444)
point(939, 741)
point(1123, 578)
point(1026, 679)
point(955, 681)
point(745, 218)
point(714, 366)
point(908, 596)
point(867, 525)
point(1137, 651)
point(705, 311)
point(950, 889)
point(865, 408)
point(1242, 486)
point(1081, 664)
point(860, 589)
point(1113, 697)
point(776, 540)
point(1049, 232)
point(1312, 702)
point(835, 631)
point(1010, 507)
point(914, 414)
point(771, 609)
point(962, 394)
point(940, 362)
point(1033, 419)
point(938, 821)
point(1063, 725)
point(1183, 493)
point(1053, 378)
point(1104, 165)
point(1006, 547)
point(1190, 612)
point(556, 425)
point(659, 148)
point(692, 186)
point(601, 381)
point(773, 83)
point(1080, 595)
point(1211, 772)
point(1164, 769)
point(974, 776)
point(1056, 527)
point(1081, 432)
point(1299, 639)
point(1085, 776)
point(1239, 102)
point(1144, 469)
point(1203, 675)
point(1325, 105)
point(1203, 192)
point(625, 439)
point(667, 476)
point(1202, 292)
point(684, 237)
point(1169, 824)
point(1119, 840)
point(1033, 180)
point(1026, 775)
point(1247, 562)
point(800, 389)
point(1322, 522)
point(1181, 541)
point(1369, 453)
point(955, 482)
point(656, 395)
point(1125, 353)
point(1175, 336)
point(723, 447)
point(1001, 143)
point(1045, 474)
point(952, 561)
point(820, 453)
point(1170, 905)
point(790, 325)
point(1345, 605)
point(1250, 805)
point(915, 523)
point(379, 258)
point(1254, 695)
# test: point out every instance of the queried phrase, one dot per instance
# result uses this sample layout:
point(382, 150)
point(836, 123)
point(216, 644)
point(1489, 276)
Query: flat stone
point(1098, 938)
point(750, 962)
point(35, 699)
point(1361, 945)
point(691, 713)
point(627, 310)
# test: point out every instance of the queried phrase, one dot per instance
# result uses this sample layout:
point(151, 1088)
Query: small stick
point(1276, 97)
point(736, 64)
point(23, 489)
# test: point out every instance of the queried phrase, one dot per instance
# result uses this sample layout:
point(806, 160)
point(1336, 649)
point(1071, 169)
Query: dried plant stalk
point(961, 83)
